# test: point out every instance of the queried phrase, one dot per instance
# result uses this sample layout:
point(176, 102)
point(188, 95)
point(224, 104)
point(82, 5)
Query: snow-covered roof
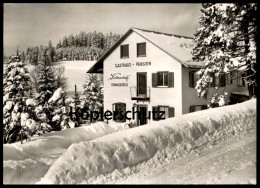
point(178, 47)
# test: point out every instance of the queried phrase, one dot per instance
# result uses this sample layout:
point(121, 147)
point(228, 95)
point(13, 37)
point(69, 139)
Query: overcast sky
point(34, 24)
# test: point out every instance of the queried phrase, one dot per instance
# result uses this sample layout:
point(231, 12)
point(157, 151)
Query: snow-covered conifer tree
point(45, 81)
point(16, 90)
point(226, 41)
point(92, 89)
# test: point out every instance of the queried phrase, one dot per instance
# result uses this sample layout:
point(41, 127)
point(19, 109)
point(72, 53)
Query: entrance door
point(143, 115)
point(141, 84)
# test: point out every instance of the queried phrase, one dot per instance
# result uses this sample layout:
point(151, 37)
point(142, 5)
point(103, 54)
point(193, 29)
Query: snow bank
point(156, 142)
point(28, 162)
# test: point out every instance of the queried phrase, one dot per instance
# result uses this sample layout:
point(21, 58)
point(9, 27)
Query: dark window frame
point(137, 45)
point(121, 51)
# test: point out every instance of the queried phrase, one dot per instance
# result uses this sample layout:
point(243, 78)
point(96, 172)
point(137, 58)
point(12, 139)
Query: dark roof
point(178, 47)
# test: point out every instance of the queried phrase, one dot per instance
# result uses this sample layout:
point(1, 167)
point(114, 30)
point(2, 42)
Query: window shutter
point(171, 112)
point(213, 84)
point(155, 109)
point(243, 80)
point(191, 79)
point(154, 79)
point(171, 79)
point(229, 78)
point(222, 79)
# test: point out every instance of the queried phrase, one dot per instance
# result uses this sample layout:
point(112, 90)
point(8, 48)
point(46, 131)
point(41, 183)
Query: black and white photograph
point(129, 93)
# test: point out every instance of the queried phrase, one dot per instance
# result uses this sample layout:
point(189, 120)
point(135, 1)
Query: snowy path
point(230, 162)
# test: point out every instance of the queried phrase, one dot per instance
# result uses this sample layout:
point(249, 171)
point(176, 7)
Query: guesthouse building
point(154, 71)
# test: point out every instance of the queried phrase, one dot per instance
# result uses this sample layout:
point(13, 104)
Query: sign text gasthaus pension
point(148, 63)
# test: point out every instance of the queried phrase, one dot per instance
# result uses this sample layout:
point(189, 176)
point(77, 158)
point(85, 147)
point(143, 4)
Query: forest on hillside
point(86, 46)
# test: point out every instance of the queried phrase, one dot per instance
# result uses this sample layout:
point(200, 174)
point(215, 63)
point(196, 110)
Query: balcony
point(140, 94)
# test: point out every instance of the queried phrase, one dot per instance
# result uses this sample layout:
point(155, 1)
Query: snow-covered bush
point(60, 110)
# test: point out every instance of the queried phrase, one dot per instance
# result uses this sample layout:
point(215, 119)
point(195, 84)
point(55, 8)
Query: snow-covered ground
point(230, 162)
point(28, 162)
point(120, 155)
point(75, 71)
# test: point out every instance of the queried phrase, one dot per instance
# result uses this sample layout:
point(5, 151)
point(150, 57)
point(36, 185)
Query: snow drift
point(168, 139)
point(27, 163)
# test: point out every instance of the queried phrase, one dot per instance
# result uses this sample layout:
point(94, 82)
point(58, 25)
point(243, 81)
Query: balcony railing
point(140, 94)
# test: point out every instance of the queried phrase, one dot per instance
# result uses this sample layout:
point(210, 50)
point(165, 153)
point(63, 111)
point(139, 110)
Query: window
point(141, 49)
point(229, 78)
point(124, 51)
point(198, 108)
point(164, 109)
point(219, 80)
point(119, 110)
point(163, 79)
point(193, 77)
point(240, 80)
point(168, 112)
point(214, 105)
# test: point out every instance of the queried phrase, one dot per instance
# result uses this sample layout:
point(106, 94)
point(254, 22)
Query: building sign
point(119, 76)
point(143, 63)
point(119, 84)
point(118, 65)
point(123, 65)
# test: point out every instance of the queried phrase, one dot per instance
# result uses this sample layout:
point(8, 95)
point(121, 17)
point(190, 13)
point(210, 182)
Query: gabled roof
point(178, 47)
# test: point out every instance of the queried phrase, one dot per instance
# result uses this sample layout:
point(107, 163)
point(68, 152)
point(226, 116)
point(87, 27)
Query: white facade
point(160, 61)
point(120, 79)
